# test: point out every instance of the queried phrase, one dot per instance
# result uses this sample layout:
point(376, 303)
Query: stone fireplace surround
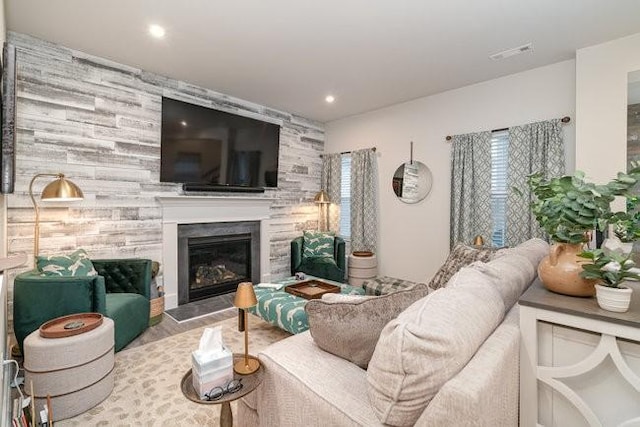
point(208, 209)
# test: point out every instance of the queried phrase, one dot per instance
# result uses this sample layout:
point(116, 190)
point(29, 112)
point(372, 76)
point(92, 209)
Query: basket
point(155, 313)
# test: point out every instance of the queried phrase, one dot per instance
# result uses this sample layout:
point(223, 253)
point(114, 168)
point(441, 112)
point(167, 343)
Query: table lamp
point(59, 190)
point(322, 199)
point(245, 298)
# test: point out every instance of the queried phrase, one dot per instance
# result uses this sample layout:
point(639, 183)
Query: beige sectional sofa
point(418, 374)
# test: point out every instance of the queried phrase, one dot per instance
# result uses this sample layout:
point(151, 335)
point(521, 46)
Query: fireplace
point(214, 257)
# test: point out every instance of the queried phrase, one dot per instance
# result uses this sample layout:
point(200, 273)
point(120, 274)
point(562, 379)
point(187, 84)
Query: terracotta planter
point(560, 271)
point(613, 299)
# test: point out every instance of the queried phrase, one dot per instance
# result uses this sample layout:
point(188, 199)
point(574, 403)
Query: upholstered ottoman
point(76, 371)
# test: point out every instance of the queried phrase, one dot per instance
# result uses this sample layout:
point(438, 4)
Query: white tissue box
point(210, 372)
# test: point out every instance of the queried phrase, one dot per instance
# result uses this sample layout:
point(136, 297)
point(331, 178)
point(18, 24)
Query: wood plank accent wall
point(99, 122)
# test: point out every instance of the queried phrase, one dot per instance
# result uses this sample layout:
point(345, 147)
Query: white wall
point(414, 239)
point(601, 106)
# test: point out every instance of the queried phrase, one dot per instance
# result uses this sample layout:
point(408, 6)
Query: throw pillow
point(349, 326)
point(317, 244)
point(460, 256)
point(428, 344)
point(382, 285)
point(75, 264)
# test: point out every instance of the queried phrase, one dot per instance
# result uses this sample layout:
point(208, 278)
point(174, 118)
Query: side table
point(578, 363)
point(249, 383)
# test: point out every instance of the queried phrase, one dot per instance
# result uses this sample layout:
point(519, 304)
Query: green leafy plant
point(626, 225)
point(568, 207)
point(611, 270)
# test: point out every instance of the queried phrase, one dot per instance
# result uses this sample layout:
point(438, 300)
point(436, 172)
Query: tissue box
point(210, 372)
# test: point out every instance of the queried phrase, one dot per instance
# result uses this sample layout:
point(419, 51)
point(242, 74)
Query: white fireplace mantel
point(202, 209)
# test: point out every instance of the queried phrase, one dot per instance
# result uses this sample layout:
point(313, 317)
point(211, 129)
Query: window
point(499, 170)
point(345, 197)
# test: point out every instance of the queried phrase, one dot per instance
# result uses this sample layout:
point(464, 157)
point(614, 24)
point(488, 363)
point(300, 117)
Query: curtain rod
point(565, 119)
point(349, 152)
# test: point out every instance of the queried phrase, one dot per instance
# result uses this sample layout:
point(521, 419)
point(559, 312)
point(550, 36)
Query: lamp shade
point(245, 296)
point(322, 197)
point(62, 190)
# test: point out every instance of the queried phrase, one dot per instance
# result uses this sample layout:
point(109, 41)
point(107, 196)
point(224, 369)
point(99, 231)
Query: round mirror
point(412, 182)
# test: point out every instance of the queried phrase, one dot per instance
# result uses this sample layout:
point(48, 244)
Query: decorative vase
point(560, 271)
point(615, 245)
point(613, 299)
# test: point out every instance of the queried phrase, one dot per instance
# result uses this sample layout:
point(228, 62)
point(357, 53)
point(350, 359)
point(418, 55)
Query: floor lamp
point(322, 199)
point(58, 190)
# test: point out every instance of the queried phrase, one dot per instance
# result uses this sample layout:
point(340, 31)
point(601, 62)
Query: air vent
point(512, 52)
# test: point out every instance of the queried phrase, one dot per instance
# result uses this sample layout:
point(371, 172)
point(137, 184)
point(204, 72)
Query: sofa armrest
point(339, 253)
point(485, 392)
point(38, 299)
point(304, 385)
point(127, 275)
point(296, 254)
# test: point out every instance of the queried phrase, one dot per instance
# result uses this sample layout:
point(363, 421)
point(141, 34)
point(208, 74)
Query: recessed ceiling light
point(183, 123)
point(512, 52)
point(156, 31)
point(330, 99)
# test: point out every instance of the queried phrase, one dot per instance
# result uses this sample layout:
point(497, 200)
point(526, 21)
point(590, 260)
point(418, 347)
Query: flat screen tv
point(207, 149)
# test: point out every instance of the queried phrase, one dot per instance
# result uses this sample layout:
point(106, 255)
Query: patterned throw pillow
point(317, 244)
point(75, 264)
point(383, 285)
point(460, 256)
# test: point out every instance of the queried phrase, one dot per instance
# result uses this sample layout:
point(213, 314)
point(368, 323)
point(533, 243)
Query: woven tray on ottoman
point(76, 371)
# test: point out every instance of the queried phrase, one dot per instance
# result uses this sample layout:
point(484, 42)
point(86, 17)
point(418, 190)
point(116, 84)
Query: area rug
point(147, 380)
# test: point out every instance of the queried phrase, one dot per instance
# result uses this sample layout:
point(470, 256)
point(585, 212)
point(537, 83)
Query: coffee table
point(286, 311)
point(249, 383)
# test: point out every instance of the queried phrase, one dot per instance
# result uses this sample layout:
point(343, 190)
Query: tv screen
point(204, 146)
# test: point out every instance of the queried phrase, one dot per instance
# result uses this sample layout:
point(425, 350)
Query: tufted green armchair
point(327, 268)
point(120, 291)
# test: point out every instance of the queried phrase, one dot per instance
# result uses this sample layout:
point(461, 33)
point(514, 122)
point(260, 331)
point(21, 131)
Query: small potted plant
point(611, 272)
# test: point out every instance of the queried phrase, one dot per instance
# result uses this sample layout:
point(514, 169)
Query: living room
point(90, 84)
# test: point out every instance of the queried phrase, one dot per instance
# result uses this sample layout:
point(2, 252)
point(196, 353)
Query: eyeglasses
point(216, 393)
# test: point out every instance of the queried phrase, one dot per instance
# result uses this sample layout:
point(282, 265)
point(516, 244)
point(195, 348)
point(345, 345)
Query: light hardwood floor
point(168, 327)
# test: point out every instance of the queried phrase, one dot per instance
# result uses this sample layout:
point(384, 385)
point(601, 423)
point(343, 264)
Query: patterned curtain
point(535, 147)
point(364, 206)
point(331, 179)
point(470, 188)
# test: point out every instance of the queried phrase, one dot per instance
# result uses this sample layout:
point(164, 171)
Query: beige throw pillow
point(426, 345)
point(349, 326)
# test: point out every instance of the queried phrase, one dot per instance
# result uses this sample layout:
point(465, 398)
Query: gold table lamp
point(245, 298)
point(59, 190)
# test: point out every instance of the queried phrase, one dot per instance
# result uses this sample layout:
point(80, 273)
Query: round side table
point(249, 383)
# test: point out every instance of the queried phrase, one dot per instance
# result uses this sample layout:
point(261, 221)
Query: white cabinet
point(579, 364)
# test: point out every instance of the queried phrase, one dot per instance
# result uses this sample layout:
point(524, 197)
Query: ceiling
point(290, 54)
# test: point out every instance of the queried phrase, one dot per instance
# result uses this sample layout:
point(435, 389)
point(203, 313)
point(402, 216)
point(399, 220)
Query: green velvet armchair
point(120, 291)
point(327, 268)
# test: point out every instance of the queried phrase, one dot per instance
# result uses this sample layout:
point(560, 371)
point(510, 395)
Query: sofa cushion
point(317, 244)
point(74, 264)
point(510, 275)
point(382, 285)
point(426, 345)
point(460, 256)
point(349, 326)
point(533, 249)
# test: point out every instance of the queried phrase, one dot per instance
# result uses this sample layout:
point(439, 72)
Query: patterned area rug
point(147, 380)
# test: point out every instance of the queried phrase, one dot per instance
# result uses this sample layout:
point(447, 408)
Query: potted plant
point(568, 209)
point(625, 228)
point(611, 272)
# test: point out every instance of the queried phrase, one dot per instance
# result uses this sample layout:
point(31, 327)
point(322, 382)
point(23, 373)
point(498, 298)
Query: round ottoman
point(76, 371)
point(362, 268)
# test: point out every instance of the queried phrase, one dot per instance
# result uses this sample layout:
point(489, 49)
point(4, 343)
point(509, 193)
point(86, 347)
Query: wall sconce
point(59, 190)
